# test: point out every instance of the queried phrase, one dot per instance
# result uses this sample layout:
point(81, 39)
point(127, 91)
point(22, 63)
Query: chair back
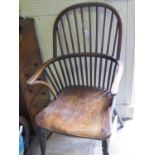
point(83, 70)
point(88, 27)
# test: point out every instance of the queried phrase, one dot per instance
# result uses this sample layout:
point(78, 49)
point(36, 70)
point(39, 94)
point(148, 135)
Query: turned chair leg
point(42, 139)
point(105, 147)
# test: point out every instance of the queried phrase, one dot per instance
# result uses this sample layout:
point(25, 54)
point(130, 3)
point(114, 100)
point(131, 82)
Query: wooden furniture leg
point(105, 147)
point(42, 139)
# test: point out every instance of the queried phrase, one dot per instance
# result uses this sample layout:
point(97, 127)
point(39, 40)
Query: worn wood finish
point(82, 106)
point(51, 83)
point(27, 41)
point(79, 111)
point(42, 139)
point(35, 98)
point(75, 18)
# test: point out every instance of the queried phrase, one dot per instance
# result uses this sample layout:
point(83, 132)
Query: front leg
point(105, 147)
point(42, 139)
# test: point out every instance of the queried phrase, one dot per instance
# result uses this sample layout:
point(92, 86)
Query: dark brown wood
point(114, 45)
point(81, 9)
point(67, 71)
point(90, 33)
point(55, 79)
point(96, 38)
point(72, 72)
point(62, 73)
point(80, 74)
point(64, 33)
point(23, 111)
point(90, 44)
point(96, 47)
point(30, 61)
point(107, 51)
point(28, 42)
point(84, 112)
point(40, 102)
point(52, 83)
point(76, 67)
point(91, 73)
point(86, 71)
point(59, 41)
point(82, 20)
point(104, 74)
point(100, 67)
point(56, 70)
point(42, 139)
point(82, 104)
point(77, 74)
point(109, 35)
point(81, 70)
point(105, 147)
point(103, 31)
point(109, 75)
point(71, 35)
point(59, 58)
point(77, 32)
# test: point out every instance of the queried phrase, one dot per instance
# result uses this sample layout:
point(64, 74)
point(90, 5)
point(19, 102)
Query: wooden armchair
point(83, 77)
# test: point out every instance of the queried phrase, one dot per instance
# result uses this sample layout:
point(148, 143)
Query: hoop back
point(88, 27)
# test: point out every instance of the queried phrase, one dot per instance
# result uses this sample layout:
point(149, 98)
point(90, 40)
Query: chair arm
point(115, 84)
point(38, 73)
point(34, 79)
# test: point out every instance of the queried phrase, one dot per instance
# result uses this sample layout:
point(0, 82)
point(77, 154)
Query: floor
point(120, 143)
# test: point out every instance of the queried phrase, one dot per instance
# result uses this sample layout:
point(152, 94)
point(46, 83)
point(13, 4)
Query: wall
point(45, 11)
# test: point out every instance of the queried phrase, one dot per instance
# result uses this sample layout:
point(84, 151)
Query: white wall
point(45, 11)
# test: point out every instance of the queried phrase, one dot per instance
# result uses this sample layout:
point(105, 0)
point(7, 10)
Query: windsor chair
point(84, 74)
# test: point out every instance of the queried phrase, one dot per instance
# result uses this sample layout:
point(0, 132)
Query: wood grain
point(78, 111)
point(33, 98)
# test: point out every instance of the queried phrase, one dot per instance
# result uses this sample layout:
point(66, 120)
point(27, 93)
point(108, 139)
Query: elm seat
point(79, 111)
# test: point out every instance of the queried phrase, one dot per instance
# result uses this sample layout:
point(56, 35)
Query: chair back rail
point(88, 27)
point(80, 70)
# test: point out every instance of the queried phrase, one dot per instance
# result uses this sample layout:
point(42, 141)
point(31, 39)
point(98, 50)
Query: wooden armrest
point(34, 79)
point(115, 84)
point(55, 80)
point(38, 73)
